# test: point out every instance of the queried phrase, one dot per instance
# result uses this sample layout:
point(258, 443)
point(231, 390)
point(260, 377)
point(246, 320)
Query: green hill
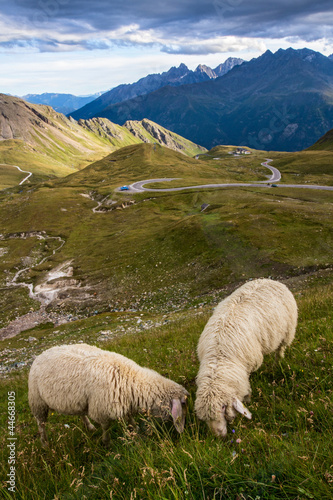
point(146, 161)
point(324, 143)
point(38, 139)
point(148, 131)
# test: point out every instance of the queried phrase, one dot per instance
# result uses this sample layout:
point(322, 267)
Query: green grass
point(54, 146)
point(285, 451)
point(324, 143)
point(305, 167)
point(10, 176)
point(142, 129)
point(163, 251)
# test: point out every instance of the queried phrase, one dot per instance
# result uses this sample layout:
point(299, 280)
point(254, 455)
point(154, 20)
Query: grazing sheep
point(258, 318)
point(87, 381)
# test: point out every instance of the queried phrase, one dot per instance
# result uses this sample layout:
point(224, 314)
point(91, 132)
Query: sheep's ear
point(178, 415)
point(238, 405)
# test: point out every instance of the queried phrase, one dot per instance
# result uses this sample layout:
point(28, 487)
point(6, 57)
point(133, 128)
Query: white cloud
point(219, 45)
point(82, 47)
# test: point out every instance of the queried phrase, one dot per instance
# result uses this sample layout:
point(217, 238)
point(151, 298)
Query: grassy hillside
point(46, 143)
point(149, 269)
point(324, 143)
point(148, 131)
point(305, 167)
point(176, 249)
point(153, 161)
point(284, 452)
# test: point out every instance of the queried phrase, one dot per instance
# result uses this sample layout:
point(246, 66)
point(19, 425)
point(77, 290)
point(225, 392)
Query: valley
point(97, 225)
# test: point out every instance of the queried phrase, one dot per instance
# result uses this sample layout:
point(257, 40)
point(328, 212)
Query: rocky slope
point(42, 141)
point(148, 131)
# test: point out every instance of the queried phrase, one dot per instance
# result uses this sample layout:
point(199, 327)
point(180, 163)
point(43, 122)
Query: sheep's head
point(178, 412)
point(228, 412)
point(175, 408)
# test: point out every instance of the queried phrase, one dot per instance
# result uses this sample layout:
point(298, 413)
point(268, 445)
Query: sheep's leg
point(106, 435)
point(88, 425)
point(130, 421)
point(41, 428)
point(280, 351)
point(40, 411)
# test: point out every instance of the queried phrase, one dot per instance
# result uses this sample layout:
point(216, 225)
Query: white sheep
point(258, 318)
point(84, 380)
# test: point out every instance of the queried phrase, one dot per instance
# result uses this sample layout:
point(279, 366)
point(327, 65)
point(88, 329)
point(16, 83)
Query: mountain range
point(69, 103)
point(279, 101)
point(63, 103)
point(174, 77)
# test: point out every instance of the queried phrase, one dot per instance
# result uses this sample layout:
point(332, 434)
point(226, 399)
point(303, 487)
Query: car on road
point(124, 188)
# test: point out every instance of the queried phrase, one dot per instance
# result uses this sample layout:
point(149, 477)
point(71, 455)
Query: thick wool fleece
point(85, 380)
point(258, 318)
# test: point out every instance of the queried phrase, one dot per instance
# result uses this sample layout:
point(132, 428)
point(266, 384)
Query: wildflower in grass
point(238, 440)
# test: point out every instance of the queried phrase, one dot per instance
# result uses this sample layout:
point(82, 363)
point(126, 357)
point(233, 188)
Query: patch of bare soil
point(30, 320)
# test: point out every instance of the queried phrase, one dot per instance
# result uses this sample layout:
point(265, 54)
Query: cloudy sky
point(85, 46)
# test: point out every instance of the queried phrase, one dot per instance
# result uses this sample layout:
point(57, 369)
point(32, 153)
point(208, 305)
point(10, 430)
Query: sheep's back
point(251, 322)
point(71, 378)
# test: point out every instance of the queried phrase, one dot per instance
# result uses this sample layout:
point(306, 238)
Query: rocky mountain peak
point(177, 72)
point(231, 62)
point(202, 68)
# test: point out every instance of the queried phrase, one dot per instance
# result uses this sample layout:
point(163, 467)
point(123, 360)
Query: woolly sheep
point(258, 318)
point(84, 380)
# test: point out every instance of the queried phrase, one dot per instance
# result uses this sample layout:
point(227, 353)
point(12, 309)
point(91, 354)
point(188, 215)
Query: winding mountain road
point(24, 172)
point(138, 187)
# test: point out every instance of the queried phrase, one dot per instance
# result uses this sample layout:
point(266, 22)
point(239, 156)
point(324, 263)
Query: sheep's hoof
point(88, 425)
